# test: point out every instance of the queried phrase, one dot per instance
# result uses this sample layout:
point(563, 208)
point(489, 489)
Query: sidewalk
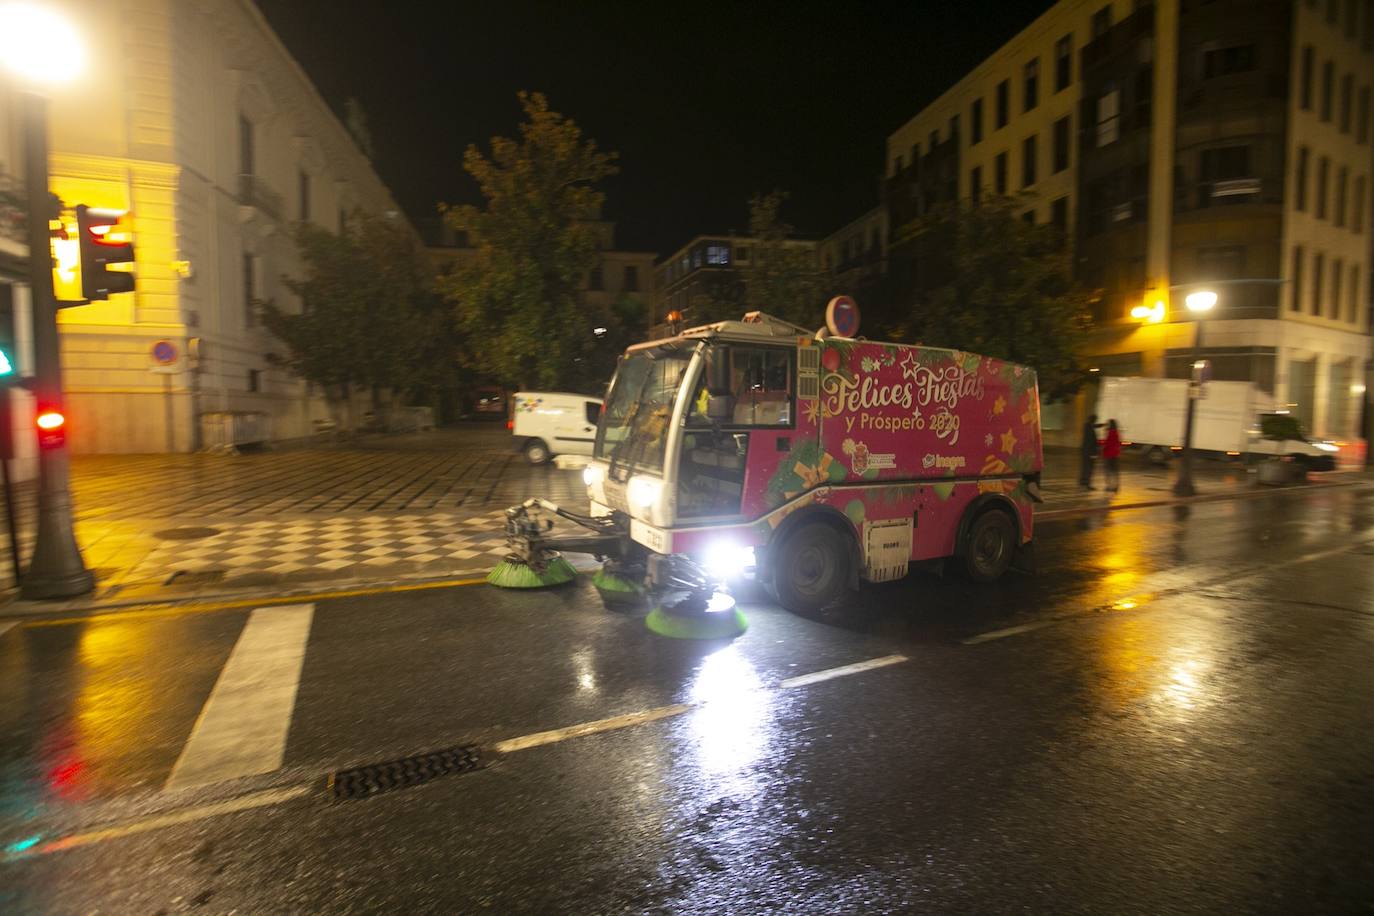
point(419, 507)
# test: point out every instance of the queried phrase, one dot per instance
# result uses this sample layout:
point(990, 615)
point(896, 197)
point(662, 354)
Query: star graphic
point(1008, 441)
point(987, 440)
point(909, 365)
point(916, 412)
point(999, 405)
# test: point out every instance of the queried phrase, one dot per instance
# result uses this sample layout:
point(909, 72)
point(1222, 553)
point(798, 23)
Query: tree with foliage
point(995, 284)
point(782, 279)
point(519, 300)
point(369, 317)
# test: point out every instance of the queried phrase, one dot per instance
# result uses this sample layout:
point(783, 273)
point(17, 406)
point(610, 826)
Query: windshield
point(634, 427)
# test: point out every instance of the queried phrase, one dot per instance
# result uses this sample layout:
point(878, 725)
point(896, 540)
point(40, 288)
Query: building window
point(975, 122)
point(897, 166)
point(1362, 116)
point(1341, 178)
point(254, 379)
point(1367, 30)
point(1305, 91)
point(1332, 13)
point(1323, 172)
point(1300, 180)
point(718, 255)
point(934, 140)
point(954, 128)
point(250, 290)
point(1352, 17)
point(1337, 301)
point(1318, 268)
point(999, 173)
point(1028, 161)
point(1109, 118)
point(631, 284)
point(1003, 95)
point(1102, 21)
point(1226, 61)
point(596, 281)
point(975, 183)
point(1328, 86)
point(1063, 63)
point(1059, 214)
point(303, 194)
point(915, 155)
point(1028, 217)
point(741, 255)
point(1353, 294)
point(1032, 85)
point(245, 145)
point(1357, 205)
point(1295, 287)
point(1061, 144)
point(1347, 98)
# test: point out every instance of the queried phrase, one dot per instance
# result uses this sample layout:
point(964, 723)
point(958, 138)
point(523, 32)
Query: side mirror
point(720, 408)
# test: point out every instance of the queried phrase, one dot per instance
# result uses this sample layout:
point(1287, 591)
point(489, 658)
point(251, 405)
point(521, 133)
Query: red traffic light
point(52, 428)
point(105, 240)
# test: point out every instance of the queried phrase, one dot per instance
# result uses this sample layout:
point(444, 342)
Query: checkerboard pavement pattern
point(312, 549)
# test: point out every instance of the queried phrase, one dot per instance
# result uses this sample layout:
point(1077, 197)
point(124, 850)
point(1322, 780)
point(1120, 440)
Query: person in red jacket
point(1111, 453)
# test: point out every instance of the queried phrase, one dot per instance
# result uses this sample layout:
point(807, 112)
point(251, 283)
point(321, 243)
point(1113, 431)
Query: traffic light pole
point(56, 569)
point(1184, 485)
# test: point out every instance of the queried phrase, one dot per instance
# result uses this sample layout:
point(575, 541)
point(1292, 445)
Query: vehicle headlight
point(1327, 446)
point(644, 491)
point(725, 560)
point(592, 475)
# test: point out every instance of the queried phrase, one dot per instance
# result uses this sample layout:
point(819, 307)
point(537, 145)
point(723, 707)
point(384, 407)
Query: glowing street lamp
point(1199, 302)
point(40, 48)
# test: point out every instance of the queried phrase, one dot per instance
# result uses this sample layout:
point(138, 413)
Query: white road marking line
point(184, 816)
point(7, 626)
point(591, 728)
point(1009, 631)
point(242, 728)
point(817, 676)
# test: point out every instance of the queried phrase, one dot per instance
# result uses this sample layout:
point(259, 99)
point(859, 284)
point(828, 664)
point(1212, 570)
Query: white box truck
point(1228, 421)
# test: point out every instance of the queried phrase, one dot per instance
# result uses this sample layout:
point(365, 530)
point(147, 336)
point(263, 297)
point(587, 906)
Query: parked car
point(549, 423)
point(489, 404)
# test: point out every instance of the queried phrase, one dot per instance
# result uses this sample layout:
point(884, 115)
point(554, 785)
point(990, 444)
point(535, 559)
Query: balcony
point(255, 195)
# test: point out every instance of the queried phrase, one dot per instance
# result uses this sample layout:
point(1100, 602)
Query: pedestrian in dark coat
point(1088, 452)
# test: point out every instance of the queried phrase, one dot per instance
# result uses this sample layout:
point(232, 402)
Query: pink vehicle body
point(900, 447)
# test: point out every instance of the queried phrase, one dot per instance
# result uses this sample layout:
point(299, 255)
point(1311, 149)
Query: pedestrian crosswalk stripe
point(242, 728)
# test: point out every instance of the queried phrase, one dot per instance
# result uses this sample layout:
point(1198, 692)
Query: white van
point(549, 423)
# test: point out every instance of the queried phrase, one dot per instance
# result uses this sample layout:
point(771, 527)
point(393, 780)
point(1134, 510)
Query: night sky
point(706, 103)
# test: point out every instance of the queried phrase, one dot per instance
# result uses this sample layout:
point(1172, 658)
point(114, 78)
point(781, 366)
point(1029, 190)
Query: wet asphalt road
point(1176, 714)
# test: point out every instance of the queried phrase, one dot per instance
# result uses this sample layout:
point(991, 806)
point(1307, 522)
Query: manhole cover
point(362, 782)
point(186, 534)
point(196, 577)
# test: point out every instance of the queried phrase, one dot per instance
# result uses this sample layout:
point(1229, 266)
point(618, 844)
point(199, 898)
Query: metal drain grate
point(366, 781)
point(195, 577)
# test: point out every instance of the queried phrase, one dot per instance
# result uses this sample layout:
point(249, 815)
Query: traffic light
point(52, 428)
point(7, 354)
point(105, 239)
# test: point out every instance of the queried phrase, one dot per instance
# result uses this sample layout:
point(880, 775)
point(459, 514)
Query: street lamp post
point(38, 46)
point(1199, 303)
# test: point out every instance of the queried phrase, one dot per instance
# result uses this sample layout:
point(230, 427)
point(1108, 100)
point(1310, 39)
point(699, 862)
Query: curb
point(1249, 493)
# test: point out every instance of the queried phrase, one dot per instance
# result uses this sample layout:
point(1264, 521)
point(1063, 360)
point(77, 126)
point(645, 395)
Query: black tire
point(1157, 455)
point(536, 452)
point(811, 569)
point(990, 546)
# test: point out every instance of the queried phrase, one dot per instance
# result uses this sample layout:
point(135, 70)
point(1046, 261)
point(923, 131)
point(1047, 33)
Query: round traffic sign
point(842, 317)
point(164, 352)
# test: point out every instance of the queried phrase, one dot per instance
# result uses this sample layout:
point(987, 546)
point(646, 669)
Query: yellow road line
point(161, 609)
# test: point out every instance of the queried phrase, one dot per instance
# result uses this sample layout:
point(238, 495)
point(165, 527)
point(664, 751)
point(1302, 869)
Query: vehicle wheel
point(536, 452)
point(990, 545)
point(811, 568)
point(1157, 455)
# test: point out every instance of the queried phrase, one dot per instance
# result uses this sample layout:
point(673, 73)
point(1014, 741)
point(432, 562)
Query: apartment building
point(855, 256)
point(708, 271)
point(1181, 145)
point(195, 118)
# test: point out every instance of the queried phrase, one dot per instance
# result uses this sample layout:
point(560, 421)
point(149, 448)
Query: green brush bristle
point(610, 582)
point(715, 625)
point(508, 574)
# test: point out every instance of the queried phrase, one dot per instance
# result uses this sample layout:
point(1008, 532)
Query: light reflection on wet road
point(1183, 723)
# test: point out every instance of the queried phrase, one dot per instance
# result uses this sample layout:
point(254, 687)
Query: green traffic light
point(6, 367)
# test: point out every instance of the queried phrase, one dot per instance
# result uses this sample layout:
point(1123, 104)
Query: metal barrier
point(228, 430)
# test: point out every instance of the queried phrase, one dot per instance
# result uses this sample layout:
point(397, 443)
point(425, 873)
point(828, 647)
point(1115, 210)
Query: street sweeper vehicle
point(813, 461)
